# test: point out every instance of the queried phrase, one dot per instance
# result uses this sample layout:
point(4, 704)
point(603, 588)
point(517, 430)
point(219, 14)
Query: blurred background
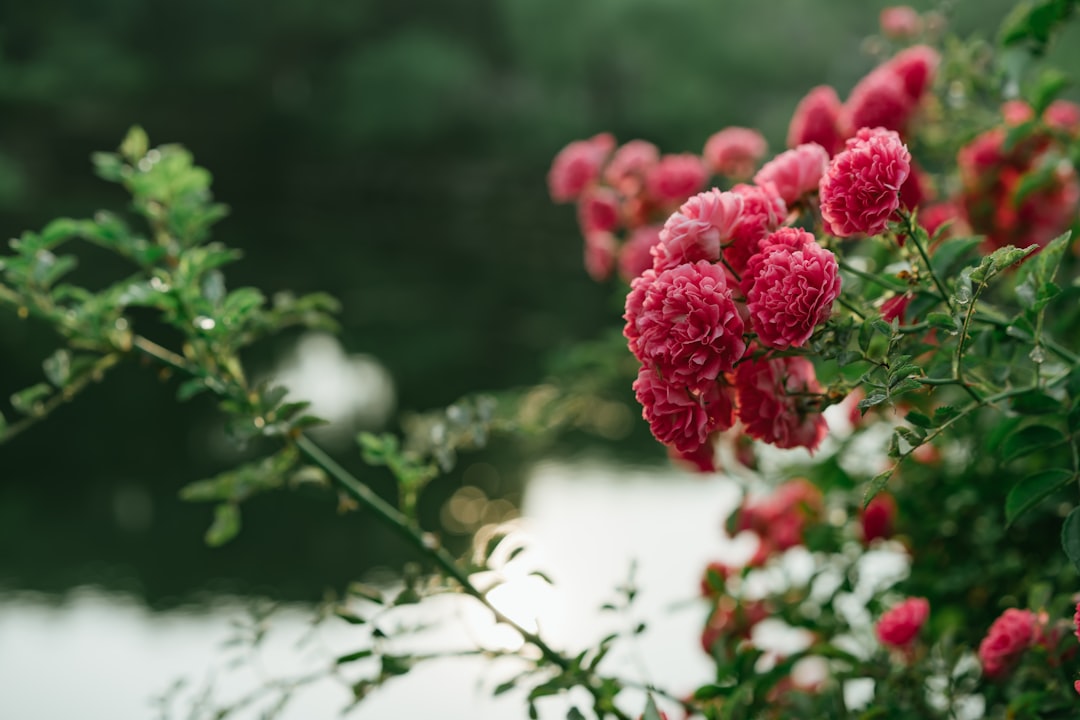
point(394, 155)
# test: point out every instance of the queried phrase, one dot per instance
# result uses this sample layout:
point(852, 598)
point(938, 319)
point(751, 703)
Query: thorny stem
point(425, 543)
point(913, 236)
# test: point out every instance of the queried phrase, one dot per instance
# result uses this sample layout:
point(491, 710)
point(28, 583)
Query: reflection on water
point(96, 655)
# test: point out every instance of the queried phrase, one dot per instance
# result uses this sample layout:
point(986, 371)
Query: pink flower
point(899, 625)
point(676, 177)
point(900, 22)
point(775, 405)
point(702, 460)
point(877, 518)
point(1076, 621)
point(735, 152)
point(1064, 116)
point(629, 165)
point(697, 231)
point(1016, 112)
point(933, 217)
point(599, 254)
point(860, 191)
point(894, 308)
point(780, 519)
point(598, 210)
point(684, 323)
point(915, 67)
point(817, 120)
point(795, 173)
point(790, 287)
point(635, 256)
point(1006, 640)
point(878, 100)
point(577, 166)
point(681, 416)
point(763, 211)
point(916, 190)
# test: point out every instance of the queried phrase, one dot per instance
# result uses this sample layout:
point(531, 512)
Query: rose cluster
point(1018, 184)
point(625, 193)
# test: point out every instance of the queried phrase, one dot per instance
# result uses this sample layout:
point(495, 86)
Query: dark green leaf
point(351, 618)
point(918, 419)
point(944, 321)
point(1032, 490)
point(1070, 537)
point(1051, 83)
point(353, 657)
point(574, 714)
point(950, 255)
point(1035, 402)
point(225, 526)
point(1030, 439)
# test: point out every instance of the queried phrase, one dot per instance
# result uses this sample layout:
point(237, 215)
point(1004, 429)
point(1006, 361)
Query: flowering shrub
point(904, 271)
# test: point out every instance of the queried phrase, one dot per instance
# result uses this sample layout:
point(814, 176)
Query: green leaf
point(943, 321)
point(1029, 439)
point(108, 166)
point(950, 255)
point(135, 145)
point(876, 485)
point(28, 401)
point(918, 419)
point(574, 714)
point(1050, 85)
point(1070, 537)
point(57, 368)
point(353, 657)
point(651, 712)
point(3, 424)
point(1035, 402)
point(225, 526)
point(190, 388)
point(1032, 490)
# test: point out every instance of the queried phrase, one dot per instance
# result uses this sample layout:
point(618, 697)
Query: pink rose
point(894, 308)
point(817, 120)
point(790, 287)
point(1016, 112)
point(598, 210)
point(697, 231)
point(934, 216)
point(629, 165)
point(915, 67)
point(1076, 621)
point(795, 173)
point(635, 256)
point(878, 517)
point(763, 211)
point(900, 22)
point(860, 191)
point(676, 177)
point(1005, 642)
point(775, 402)
point(681, 416)
point(878, 100)
point(735, 152)
point(1064, 116)
point(684, 323)
point(577, 166)
point(599, 254)
point(899, 625)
